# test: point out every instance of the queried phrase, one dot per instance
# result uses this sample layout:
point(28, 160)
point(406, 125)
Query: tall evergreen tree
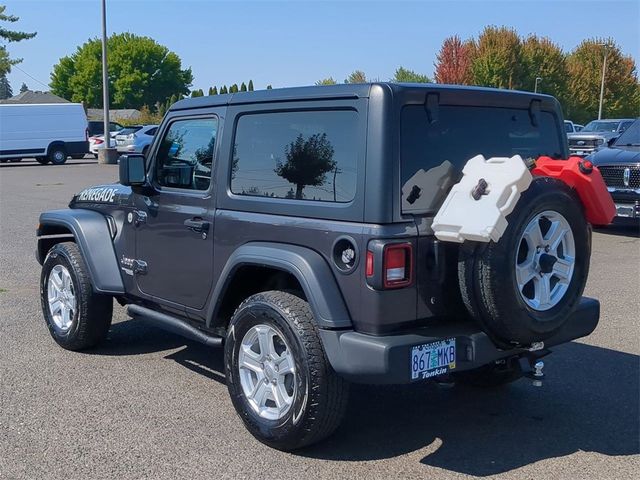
point(250, 85)
point(233, 88)
point(24, 88)
point(8, 36)
point(269, 87)
point(5, 88)
point(243, 87)
point(223, 90)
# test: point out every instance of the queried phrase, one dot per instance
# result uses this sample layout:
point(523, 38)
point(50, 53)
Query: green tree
point(497, 58)
point(5, 88)
point(197, 93)
point(357, 76)
point(8, 36)
point(269, 87)
point(543, 58)
point(213, 90)
point(141, 72)
point(326, 81)
point(404, 75)
point(223, 90)
point(453, 62)
point(584, 73)
point(24, 88)
point(250, 87)
point(233, 88)
point(243, 87)
point(308, 162)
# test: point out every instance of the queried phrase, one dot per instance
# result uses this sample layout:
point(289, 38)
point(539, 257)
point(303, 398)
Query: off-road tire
point(92, 318)
point(321, 395)
point(487, 274)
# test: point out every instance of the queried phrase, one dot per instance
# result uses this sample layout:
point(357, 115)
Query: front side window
point(185, 155)
point(310, 155)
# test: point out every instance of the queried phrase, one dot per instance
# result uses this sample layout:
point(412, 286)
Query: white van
point(49, 132)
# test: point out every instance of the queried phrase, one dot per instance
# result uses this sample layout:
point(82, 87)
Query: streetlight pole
point(107, 154)
point(604, 70)
point(535, 87)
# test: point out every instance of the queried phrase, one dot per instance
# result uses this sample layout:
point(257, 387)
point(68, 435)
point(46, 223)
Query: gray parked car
point(597, 133)
point(135, 139)
point(293, 226)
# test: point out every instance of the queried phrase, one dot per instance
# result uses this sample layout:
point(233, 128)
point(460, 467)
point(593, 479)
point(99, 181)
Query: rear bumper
point(373, 359)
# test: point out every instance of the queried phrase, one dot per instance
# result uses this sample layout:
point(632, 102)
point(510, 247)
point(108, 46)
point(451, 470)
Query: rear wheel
point(522, 288)
point(57, 154)
point(42, 160)
point(77, 317)
point(279, 379)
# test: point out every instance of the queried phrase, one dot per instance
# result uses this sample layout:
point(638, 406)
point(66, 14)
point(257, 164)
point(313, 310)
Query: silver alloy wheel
point(58, 155)
point(545, 260)
point(61, 297)
point(267, 372)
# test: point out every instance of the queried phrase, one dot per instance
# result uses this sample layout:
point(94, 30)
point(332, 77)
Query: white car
point(135, 139)
point(97, 142)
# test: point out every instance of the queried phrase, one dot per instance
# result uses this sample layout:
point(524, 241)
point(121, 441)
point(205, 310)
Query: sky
point(286, 43)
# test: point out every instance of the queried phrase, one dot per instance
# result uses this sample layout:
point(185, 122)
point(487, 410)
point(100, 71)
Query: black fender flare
point(306, 265)
point(92, 235)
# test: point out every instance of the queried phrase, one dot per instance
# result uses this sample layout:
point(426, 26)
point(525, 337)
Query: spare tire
point(522, 288)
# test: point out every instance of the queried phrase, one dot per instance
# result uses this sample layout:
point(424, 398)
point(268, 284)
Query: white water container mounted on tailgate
point(477, 206)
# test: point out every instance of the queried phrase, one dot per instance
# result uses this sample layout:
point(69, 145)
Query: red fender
point(585, 179)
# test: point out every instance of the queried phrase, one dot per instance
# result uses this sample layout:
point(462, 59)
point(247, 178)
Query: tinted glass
point(435, 153)
point(151, 131)
point(631, 136)
point(128, 130)
point(568, 128)
point(624, 126)
point(601, 126)
point(185, 155)
point(296, 155)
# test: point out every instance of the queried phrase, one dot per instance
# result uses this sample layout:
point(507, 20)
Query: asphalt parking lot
point(148, 404)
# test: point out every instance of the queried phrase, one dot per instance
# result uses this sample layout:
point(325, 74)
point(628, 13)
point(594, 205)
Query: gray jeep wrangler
point(293, 227)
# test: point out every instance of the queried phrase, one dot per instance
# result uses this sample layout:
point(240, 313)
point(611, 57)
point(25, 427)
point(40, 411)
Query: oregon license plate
point(624, 210)
point(432, 359)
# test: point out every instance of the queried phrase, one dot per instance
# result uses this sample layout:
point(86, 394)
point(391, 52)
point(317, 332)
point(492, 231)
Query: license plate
point(432, 359)
point(624, 210)
point(580, 153)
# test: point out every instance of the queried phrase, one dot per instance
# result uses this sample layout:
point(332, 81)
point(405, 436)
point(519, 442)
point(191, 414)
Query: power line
point(30, 76)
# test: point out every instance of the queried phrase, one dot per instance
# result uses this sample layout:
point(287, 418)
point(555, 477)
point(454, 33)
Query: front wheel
point(279, 379)
point(77, 317)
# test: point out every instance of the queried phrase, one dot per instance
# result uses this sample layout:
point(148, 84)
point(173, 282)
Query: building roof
point(35, 98)
point(130, 114)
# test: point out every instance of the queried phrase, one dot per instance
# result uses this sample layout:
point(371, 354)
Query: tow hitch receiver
point(532, 368)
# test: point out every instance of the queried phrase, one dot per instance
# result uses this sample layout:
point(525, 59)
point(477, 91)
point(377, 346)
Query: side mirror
point(132, 170)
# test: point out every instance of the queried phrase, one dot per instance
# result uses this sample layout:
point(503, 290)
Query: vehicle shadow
point(27, 163)
point(589, 402)
point(622, 228)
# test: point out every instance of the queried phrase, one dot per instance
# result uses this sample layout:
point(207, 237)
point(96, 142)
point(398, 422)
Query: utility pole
point(535, 88)
point(604, 71)
point(106, 155)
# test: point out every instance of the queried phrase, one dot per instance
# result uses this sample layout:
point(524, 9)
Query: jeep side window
point(185, 155)
point(309, 155)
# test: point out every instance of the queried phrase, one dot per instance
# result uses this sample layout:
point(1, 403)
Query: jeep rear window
point(297, 155)
point(461, 132)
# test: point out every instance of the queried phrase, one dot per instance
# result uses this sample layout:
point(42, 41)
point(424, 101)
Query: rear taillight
point(397, 266)
point(86, 134)
point(99, 141)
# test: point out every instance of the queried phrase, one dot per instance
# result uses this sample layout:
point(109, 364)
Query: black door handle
point(196, 224)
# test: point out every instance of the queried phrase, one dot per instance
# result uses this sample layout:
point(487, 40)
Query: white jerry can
point(476, 207)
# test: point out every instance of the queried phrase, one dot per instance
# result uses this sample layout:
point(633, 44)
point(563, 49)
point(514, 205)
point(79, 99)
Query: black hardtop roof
point(352, 90)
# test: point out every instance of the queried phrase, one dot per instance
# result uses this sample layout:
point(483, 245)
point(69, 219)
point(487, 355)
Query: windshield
point(129, 130)
point(568, 127)
point(601, 126)
point(631, 136)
